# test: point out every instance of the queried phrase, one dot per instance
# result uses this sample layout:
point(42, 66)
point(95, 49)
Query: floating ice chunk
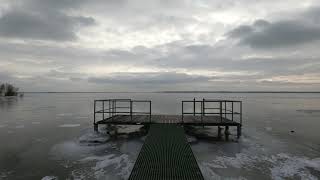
point(69, 125)
point(82, 117)
point(268, 128)
point(93, 137)
point(65, 114)
point(50, 178)
point(290, 166)
point(309, 111)
point(19, 126)
point(128, 129)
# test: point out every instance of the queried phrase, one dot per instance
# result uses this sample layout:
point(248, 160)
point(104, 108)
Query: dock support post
point(219, 132)
point(95, 127)
point(238, 131)
point(227, 133)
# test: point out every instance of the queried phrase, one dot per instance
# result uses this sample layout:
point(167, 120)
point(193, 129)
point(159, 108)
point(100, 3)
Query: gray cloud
point(265, 35)
point(149, 78)
point(41, 24)
point(152, 44)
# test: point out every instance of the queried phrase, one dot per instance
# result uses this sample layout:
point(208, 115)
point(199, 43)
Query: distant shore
point(57, 92)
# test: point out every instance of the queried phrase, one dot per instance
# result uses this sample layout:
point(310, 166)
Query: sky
point(157, 45)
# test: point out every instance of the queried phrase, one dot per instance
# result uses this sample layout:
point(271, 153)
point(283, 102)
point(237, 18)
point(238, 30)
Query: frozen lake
point(51, 136)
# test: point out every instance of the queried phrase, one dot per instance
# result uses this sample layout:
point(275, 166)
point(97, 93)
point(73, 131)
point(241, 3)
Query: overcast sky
point(151, 45)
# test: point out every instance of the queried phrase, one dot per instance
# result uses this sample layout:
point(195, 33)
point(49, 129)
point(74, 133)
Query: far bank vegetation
point(7, 89)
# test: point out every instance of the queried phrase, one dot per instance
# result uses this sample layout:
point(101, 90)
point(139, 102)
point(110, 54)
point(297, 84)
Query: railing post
point(225, 109)
point(221, 111)
point(103, 109)
point(115, 107)
point(182, 111)
point(194, 106)
point(131, 110)
point(150, 111)
point(241, 112)
point(232, 110)
point(109, 108)
point(94, 112)
point(204, 108)
point(201, 111)
point(112, 108)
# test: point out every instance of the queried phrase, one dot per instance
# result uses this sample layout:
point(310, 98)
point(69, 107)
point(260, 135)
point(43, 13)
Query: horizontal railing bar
point(236, 113)
point(140, 101)
point(112, 99)
point(192, 101)
point(216, 100)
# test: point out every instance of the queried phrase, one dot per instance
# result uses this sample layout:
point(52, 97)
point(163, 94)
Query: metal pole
point(241, 113)
point(182, 112)
point(225, 109)
point(201, 112)
point(204, 109)
point(194, 106)
point(115, 107)
point(109, 108)
point(150, 111)
point(131, 110)
point(94, 114)
point(221, 111)
point(103, 110)
point(232, 110)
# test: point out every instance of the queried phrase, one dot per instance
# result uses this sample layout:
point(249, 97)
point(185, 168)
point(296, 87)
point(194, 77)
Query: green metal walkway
point(166, 154)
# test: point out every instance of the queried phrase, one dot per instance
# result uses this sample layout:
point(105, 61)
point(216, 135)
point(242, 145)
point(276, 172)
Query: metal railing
point(109, 108)
point(224, 108)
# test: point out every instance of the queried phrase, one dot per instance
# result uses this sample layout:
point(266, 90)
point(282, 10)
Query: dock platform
point(205, 112)
point(166, 154)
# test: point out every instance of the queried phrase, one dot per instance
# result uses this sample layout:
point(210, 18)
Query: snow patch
point(93, 137)
point(49, 178)
point(69, 125)
point(19, 126)
point(103, 163)
point(281, 165)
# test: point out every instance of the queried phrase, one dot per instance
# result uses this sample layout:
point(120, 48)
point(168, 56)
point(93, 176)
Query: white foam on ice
point(120, 163)
point(268, 128)
point(92, 137)
point(19, 126)
point(65, 114)
point(69, 125)
point(286, 166)
point(71, 150)
point(49, 178)
point(282, 165)
point(128, 129)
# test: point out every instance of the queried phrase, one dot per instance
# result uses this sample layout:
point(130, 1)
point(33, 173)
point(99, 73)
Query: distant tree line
point(7, 89)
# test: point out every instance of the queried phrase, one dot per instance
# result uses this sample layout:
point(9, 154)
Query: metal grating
point(166, 154)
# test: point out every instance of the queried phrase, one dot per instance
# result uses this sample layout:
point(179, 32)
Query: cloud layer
point(52, 45)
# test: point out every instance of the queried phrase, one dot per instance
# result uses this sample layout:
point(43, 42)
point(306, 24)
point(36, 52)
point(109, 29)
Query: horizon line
point(170, 92)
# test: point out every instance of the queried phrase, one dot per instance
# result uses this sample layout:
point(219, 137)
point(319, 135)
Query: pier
point(166, 153)
point(205, 112)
